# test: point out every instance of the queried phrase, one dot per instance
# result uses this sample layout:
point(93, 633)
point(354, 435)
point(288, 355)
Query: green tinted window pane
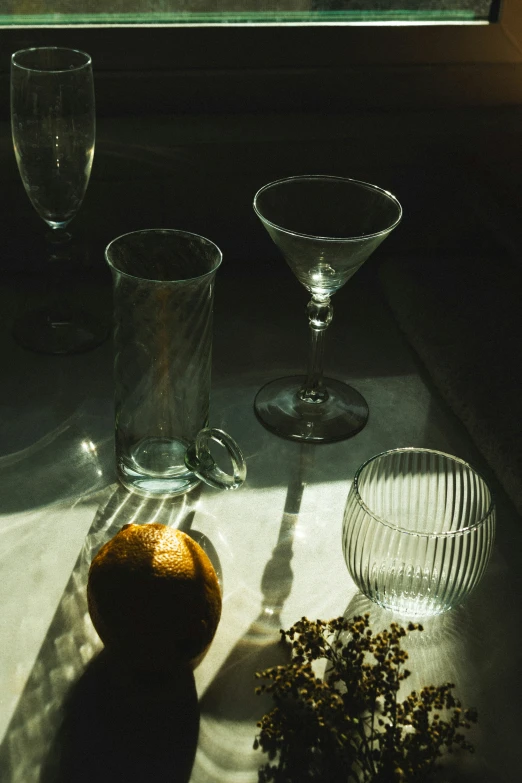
point(62, 12)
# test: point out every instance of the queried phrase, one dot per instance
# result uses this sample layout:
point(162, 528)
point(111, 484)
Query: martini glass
point(53, 128)
point(326, 227)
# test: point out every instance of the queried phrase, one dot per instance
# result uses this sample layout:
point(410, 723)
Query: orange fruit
point(154, 596)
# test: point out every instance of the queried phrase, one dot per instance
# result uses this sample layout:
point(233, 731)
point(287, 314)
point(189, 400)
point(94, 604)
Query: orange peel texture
point(154, 596)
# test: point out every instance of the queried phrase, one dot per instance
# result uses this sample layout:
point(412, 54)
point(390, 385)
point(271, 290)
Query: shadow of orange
point(120, 725)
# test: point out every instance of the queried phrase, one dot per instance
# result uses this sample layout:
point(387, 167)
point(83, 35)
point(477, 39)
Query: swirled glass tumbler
point(418, 530)
point(163, 296)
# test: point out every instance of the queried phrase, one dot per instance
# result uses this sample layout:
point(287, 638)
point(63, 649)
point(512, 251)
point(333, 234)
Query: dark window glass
point(118, 12)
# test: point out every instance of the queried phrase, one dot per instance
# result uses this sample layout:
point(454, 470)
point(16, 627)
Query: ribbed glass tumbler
point(418, 530)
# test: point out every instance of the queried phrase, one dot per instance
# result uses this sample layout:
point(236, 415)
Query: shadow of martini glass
point(230, 707)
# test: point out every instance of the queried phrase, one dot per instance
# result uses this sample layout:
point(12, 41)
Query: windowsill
point(285, 68)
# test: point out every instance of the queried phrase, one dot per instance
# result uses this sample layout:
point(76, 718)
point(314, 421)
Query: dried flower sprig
point(349, 726)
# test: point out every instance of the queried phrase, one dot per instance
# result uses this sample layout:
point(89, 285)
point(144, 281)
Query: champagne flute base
point(280, 409)
point(59, 331)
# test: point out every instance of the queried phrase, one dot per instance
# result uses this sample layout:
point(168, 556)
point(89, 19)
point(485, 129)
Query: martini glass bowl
point(325, 227)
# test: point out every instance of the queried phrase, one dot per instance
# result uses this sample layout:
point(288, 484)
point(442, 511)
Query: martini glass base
point(54, 331)
point(280, 409)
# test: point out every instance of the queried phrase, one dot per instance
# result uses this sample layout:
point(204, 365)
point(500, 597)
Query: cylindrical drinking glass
point(418, 530)
point(163, 297)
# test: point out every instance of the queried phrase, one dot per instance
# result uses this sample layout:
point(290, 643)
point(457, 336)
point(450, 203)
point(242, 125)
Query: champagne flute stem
point(59, 259)
point(58, 236)
point(320, 314)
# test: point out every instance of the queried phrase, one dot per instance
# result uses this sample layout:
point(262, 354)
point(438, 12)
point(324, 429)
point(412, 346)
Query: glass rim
point(171, 232)
point(330, 177)
point(418, 533)
point(69, 69)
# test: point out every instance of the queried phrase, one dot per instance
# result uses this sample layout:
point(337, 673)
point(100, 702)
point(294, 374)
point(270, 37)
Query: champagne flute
point(53, 127)
point(326, 227)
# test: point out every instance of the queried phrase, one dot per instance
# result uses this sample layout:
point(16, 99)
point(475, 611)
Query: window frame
point(254, 68)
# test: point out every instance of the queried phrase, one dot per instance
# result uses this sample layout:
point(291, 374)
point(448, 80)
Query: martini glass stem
point(320, 314)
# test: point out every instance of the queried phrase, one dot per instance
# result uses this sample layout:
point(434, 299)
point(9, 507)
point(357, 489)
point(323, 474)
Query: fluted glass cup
point(418, 530)
point(163, 296)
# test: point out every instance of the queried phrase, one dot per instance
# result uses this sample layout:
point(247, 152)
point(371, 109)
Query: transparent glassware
point(163, 282)
point(53, 128)
point(418, 531)
point(326, 227)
